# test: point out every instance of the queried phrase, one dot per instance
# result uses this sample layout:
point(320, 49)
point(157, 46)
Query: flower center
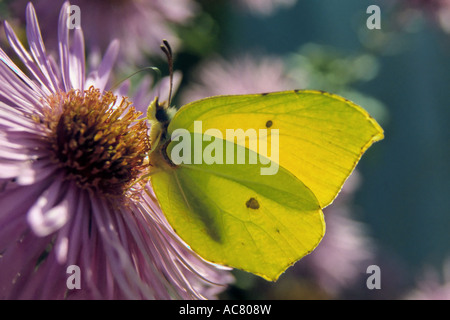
point(97, 141)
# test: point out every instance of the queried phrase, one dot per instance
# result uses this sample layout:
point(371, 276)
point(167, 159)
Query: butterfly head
point(159, 115)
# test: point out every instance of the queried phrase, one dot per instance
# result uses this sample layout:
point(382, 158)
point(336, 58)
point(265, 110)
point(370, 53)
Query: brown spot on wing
point(252, 203)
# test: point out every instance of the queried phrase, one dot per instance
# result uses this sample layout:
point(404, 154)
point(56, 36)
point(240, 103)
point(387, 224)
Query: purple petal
point(14, 207)
point(37, 47)
point(7, 153)
point(26, 59)
point(15, 93)
point(62, 241)
point(13, 119)
point(10, 169)
point(18, 263)
point(49, 272)
point(119, 259)
point(78, 225)
point(143, 96)
point(77, 61)
point(63, 46)
point(54, 66)
point(100, 78)
point(37, 171)
point(22, 141)
point(123, 89)
point(47, 215)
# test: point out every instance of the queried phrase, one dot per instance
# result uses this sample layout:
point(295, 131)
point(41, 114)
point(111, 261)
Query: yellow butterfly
point(229, 211)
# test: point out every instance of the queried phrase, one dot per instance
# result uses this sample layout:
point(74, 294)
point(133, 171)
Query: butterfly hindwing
point(232, 215)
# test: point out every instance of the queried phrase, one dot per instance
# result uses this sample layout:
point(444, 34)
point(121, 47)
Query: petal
point(14, 208)
point(122, 90)
point(46, 215)
point(77, 61)
point(26, 59)
point(117, 257)
point(63, 46)
point(100, 78)
point(10, 169)
point(143, 96)
point(79, 224)
point(38, 49)
point(62, 242)
point(14, 120)
point(37, 171)
point(21, 141)
point(18, 266)
point(15, 93)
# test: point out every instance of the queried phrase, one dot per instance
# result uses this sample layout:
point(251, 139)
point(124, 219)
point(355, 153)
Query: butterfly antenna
point(165, 47)
point(157, 71)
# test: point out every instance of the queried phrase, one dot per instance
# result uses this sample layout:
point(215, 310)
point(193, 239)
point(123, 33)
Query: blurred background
point(394, 211)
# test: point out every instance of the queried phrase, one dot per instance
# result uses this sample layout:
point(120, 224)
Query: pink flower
point(436, 10)
point(70, 155)
point(345, 251)
point(263, 7)
point(139, 25)
point(242, 75)
point(431, 286)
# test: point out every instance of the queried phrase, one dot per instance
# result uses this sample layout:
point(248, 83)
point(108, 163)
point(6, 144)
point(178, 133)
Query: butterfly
point(243, 179)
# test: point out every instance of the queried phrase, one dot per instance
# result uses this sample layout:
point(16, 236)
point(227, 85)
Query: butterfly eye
point(252, 203)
